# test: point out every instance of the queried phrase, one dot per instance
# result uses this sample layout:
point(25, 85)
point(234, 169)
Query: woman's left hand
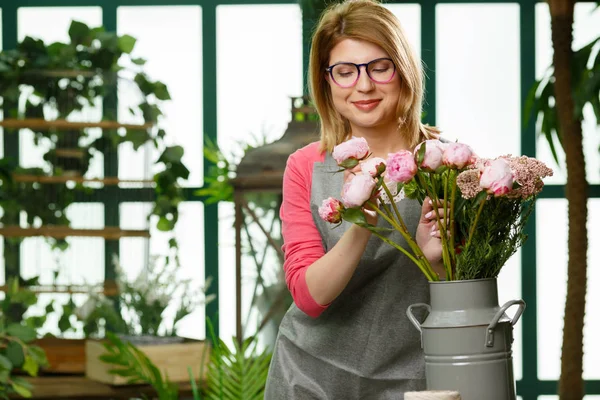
point(428, 235)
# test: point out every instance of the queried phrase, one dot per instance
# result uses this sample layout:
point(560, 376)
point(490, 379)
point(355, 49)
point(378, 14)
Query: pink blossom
point(373, 166)
point(468, 183)
point(354, 149)
point(528, 173)
point(458, 155)
point(434, 150)
point(401, 166)
point(497, 177)
point(331, 210)
point(357, 190)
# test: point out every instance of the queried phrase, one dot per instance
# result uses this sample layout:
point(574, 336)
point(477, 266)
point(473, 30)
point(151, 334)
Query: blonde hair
point(366, 20)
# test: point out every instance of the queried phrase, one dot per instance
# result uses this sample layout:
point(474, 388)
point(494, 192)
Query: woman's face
point(367, 104)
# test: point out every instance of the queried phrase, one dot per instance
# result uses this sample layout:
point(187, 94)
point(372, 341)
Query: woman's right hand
point(369, 213)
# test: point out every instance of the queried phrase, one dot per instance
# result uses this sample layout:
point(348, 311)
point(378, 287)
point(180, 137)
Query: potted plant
point(481, 206)
point(46, 86)
point(138, 314)
point(237, 373)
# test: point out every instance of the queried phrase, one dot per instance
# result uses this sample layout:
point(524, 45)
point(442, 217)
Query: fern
point(236, 374)
point(133, 364)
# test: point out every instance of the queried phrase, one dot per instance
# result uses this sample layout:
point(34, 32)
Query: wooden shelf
point(107, 290)
point(79, 387)
point(41, 124)
point(61, 232)
point(77, 179)
point(61, 73)
point(69, 153)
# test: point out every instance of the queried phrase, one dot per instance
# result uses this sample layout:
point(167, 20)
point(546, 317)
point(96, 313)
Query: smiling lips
point(366, 105)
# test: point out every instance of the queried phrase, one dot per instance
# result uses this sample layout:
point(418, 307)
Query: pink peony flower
point(434, 151)
point(354, 150)
point(401, 166)
point(458, 155)
point(358, 190)
point(373, 166)
point(331, 210)
point(497, 177)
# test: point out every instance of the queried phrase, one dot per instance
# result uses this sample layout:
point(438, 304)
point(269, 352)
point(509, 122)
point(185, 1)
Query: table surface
point(79, 387)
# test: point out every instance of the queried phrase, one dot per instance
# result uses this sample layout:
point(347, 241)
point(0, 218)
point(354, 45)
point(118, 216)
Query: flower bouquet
point(482, 204)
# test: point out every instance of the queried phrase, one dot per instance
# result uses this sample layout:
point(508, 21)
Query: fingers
point(432, 215)
point(350, 172)
point(436, 233)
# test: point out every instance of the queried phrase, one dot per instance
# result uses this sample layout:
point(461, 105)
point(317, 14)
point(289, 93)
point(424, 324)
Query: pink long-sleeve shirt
point(302, 241)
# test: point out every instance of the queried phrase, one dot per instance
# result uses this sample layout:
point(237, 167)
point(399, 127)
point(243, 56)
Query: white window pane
point(257, 74)
point(258, 71)
point(189, 233)
point(586, 28)
point(81, 263)
point(174, 57)
point(478, 77)
point(410, 19)
point(33, 21)
point(552, 287)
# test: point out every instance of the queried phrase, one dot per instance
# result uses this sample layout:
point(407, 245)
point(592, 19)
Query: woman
point(347, 335)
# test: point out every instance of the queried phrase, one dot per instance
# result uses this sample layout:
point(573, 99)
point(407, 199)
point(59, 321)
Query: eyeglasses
point(346, 74)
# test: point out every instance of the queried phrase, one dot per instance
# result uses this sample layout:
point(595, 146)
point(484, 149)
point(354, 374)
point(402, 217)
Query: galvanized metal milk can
point(467, 339)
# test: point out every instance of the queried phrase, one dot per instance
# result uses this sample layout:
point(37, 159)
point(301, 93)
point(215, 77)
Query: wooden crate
point(171, 359)
point(65, 356)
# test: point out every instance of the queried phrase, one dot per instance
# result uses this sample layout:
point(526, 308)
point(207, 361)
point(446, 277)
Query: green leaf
point(30, 366)
point(39, 355)
point(5, 363)
point(138, 61)
point(355, 216)
point(481, 196)
point(25, 333)
point(21, 390)
point(164, 224)
point(137, 137)
point(80, 33)
point(349, 163)
point(172, 154)
point(126, 43)
point(161, 92)
point(421, 154)
point(14, 352)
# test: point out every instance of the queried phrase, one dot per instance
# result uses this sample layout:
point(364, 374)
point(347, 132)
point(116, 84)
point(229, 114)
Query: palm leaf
point(540, 102)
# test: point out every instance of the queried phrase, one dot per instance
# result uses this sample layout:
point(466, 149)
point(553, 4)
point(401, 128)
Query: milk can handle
point(412, 318)
point(489, 339)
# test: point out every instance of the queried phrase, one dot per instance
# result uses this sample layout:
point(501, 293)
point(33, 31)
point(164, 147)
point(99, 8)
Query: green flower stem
point(472, 231)
point(446, 249)
point(413, 245)
point(452, 223)
point(435, 201)
point(428, 273)
point(420, 259)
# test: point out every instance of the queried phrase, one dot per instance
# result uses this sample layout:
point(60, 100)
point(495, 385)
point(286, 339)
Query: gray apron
point(362, 346)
